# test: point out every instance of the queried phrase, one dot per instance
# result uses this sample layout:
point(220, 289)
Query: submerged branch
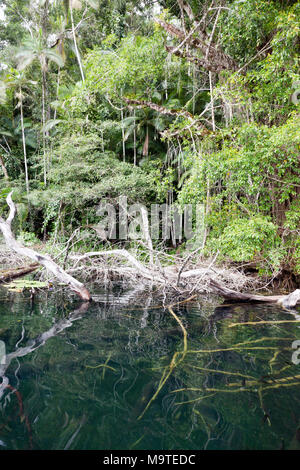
point(173, 364)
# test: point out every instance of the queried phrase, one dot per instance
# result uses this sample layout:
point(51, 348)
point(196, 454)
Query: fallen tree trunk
point(44, 260)
point(9, 274)
point(285, 300)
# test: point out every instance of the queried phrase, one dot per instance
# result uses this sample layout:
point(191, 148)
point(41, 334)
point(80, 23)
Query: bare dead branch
point(44, 260)
point(166, 111)
point(214, 58)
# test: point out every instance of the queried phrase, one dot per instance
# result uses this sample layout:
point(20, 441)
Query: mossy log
point(10, 274)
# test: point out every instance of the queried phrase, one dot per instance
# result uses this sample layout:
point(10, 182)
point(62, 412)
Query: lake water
point(83, 376)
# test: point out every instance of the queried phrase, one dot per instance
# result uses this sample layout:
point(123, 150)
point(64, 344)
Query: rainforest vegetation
point(124, 106)
point(185, 102)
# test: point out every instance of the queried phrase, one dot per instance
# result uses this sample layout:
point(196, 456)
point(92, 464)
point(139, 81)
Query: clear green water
point(85, 377)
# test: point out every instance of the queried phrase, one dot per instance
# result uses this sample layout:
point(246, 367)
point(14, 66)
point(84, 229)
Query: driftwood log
point(290, 300)
point(44, 260)
point(9, 274)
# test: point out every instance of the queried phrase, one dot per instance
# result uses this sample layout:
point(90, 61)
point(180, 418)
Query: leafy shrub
point(245, 239)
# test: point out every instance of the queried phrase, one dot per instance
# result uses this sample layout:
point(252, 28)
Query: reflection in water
point(84, 384)
point(39, 341)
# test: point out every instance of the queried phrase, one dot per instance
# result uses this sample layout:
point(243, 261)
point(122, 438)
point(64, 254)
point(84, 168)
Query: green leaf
point(51, 123)
point(19, 285)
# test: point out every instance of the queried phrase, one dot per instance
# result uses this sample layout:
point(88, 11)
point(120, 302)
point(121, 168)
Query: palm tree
point(34, 49)
point(17, 80)
point(11, 134)
point(145, 126)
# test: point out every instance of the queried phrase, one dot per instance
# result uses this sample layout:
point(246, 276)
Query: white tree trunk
point(24, 143)
point(44, 260)
point(75, 43)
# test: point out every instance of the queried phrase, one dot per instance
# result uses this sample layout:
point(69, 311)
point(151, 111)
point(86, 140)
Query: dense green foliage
point(111, 109)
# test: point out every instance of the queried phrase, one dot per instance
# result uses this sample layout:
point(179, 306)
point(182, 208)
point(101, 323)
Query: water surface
point(80, 376)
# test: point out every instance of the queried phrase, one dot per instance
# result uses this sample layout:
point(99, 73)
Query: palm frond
point(54, 57)
point(51, 123)
point(93, 3)
point(2, 93)
point(25, 59)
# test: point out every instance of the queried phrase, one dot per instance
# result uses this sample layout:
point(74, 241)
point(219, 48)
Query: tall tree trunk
point(45, 27)
point(212, 102)
point(24, 143)
point(134, 139)
point(57, 91)
point(45, 20)
point(44, 120)
point(75, 43)
point(146, 143)
point(123, 136)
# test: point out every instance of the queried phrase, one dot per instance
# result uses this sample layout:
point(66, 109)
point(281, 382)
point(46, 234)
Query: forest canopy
point(185, 102)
